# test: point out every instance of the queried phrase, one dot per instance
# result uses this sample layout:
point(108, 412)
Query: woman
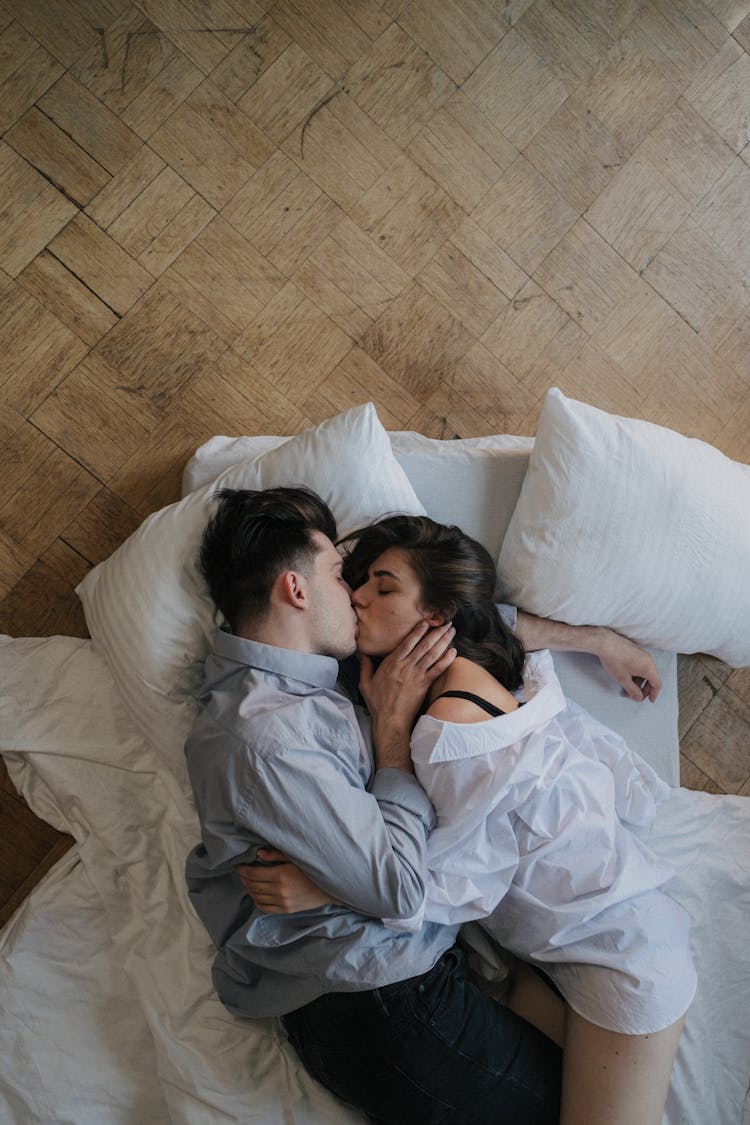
point(538, 810)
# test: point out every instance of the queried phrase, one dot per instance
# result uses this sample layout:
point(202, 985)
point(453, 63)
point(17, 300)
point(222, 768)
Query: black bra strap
point(490, 708)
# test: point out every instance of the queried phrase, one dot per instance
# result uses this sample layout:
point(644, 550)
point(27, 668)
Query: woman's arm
point(626, 662)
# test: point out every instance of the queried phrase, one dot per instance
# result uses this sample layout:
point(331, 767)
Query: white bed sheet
point(74, 1041)
point(109, 1016)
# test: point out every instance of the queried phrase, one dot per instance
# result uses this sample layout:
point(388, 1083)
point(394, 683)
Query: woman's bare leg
point(614, 1079)
point(608, 1078)
point(533, 1000)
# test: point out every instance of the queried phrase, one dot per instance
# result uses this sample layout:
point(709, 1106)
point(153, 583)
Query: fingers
point(444, 662)
point(263, 887)
point(650, 689)
point(426, 644)
point(410, 641)
point(648, 681)
point(257, 877)
point(435, 646)
point(640, 688)
point(632, 689)
point(654, 684)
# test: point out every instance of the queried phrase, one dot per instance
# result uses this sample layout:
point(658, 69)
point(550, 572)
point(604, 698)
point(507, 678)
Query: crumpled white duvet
point(108, 1010)
point(108, 1016)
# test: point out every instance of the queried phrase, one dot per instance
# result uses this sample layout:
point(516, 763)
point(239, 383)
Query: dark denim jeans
point(432, 1050)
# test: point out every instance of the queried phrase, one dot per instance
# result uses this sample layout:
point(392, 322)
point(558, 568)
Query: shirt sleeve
point(508, 615)
point(367, 849)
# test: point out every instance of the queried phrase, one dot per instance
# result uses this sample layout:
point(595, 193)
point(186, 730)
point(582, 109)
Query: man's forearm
point(628, 663)
point(391, 745)
point(536, 633)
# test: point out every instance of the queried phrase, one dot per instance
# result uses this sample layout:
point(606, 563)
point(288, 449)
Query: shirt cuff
point(402, 789)
point(508, 614)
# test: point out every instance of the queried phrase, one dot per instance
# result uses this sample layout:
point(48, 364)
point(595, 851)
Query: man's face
point(333, 621)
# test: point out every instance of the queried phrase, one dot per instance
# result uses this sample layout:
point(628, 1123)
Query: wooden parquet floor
point(242, 216)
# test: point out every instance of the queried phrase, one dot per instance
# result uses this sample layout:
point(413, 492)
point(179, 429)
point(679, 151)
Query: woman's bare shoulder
point(465, 675)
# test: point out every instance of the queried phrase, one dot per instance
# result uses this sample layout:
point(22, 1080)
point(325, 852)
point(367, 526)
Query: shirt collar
point(307, 667)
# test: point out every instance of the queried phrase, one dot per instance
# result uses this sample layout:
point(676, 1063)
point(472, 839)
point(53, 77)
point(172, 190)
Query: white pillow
point(219, 453)
point(147, 606)
point(625, 523)
point(474, 482)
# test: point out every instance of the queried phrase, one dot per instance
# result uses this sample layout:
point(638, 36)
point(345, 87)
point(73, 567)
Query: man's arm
point(364, 848)
point(394, 694)
point(626, 662)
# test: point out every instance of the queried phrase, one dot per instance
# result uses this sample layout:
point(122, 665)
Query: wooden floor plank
point(67, 297)
point(456, 36)
point(37, 350)
point(32, 211)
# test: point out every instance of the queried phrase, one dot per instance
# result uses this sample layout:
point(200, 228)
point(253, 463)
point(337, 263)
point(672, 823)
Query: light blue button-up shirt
point(276, 757)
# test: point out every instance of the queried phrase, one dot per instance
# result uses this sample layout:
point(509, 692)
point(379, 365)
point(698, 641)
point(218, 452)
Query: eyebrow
point(385, 574)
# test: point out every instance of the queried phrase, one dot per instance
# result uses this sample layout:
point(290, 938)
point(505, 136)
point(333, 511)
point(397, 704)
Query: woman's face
point(388, 604)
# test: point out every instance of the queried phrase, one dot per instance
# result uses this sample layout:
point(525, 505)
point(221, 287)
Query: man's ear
point(291, 589)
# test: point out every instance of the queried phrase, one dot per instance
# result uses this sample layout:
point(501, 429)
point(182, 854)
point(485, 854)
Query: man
point(387, 1020)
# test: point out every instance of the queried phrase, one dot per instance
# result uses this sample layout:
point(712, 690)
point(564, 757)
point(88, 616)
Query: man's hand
point(630, 665)
point(395, 692)
point(277, 886)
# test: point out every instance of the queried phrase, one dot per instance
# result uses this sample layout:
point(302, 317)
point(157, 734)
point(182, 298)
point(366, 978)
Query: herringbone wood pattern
point(242, 216)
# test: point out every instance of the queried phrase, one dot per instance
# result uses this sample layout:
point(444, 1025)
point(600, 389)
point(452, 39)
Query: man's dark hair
point(252, 538)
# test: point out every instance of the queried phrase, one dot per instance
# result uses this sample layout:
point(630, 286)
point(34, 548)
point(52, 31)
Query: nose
point(357, 596)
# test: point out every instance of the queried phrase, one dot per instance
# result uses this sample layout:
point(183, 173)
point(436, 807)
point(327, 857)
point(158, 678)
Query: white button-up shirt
point(538, 819)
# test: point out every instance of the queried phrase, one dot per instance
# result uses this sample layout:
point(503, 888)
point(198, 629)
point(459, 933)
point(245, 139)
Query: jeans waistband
point(452, 957)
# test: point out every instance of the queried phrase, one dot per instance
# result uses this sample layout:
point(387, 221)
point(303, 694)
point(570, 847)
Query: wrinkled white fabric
point(537, 818)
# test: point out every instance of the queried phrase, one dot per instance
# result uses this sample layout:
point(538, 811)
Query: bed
point(108, 1013)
